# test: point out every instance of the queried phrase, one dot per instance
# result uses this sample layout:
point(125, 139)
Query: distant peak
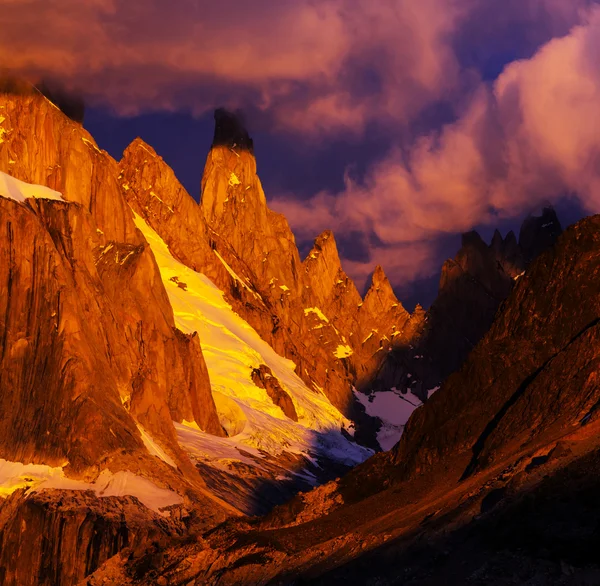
point(321, 239)
point(379, 277)
point(380, 295)
point(549, 215)
point(324, 255)
point(539, 233)
point(380, 283)
point(230, 131)
point(472, 238)
point(325, 245)
point(511, 238)
point(140, 143)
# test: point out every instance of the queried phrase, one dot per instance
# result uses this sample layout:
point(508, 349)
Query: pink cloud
point(300, 60)
point(531, 136)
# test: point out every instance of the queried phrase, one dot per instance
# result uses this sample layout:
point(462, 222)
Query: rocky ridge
point(305, 310)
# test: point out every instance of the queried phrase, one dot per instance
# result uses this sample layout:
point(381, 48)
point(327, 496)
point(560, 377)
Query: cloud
point(316, 67)
point(321, 70)
point(531, 136)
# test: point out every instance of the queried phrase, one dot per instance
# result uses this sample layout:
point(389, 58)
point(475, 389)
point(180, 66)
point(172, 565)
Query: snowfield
point(232, 348)
point(394, 409)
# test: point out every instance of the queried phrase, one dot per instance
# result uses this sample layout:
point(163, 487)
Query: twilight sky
point(396, 123)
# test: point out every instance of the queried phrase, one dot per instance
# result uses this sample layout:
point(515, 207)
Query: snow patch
point(317, 312)
point(20, 191)
point(343, 351)
point(393, 408)
point(368, 337)
point(91, 144)
point(38, 477)
point(154, 448)
point(235, 276)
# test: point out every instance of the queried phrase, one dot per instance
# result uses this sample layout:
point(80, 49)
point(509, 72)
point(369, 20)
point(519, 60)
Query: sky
point(398, 124)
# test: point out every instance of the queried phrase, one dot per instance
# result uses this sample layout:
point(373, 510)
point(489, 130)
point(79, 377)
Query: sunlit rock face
point(93, 371)
point(72, 105)
point(249, 252)
point(235, 207)
point(88, 345)
point(115, 273)
point(321, 322)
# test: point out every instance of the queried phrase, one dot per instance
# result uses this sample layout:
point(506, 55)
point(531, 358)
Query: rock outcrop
point(60, 536)
point(264, 379)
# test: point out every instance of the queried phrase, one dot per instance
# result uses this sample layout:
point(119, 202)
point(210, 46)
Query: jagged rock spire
point(380, 296)
point(235, 207)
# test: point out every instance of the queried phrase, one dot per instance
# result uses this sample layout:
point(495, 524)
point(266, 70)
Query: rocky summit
point(185, 400)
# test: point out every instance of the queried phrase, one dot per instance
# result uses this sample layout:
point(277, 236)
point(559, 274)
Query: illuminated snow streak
point(232, 349)
point(343, 351)
point(38, 477)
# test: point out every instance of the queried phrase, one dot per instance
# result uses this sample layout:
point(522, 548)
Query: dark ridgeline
point(472, 287)
point(230, 131)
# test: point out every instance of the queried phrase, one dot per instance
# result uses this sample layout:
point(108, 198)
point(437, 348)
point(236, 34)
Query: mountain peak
point(325, 249)
point(139, 143)
point(379, 278)
point(230, 131)
point(472, 240)
point(539, 233)
point(380, 294)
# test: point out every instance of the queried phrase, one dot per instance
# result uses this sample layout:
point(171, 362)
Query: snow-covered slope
point(232, 349)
